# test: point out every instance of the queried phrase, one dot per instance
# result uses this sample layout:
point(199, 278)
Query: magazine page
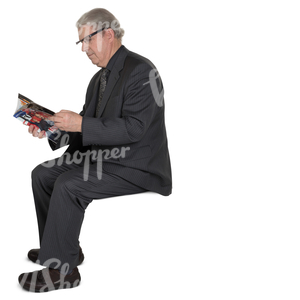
point(31, 113)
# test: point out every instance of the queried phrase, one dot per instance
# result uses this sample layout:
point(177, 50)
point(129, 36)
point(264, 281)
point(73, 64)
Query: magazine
point(31, 113)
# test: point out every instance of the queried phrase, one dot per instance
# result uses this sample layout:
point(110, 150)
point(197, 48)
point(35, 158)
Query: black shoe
point(47, 280)
point(34, 253)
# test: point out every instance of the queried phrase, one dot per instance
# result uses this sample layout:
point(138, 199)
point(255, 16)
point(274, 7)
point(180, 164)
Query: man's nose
point(85, 46)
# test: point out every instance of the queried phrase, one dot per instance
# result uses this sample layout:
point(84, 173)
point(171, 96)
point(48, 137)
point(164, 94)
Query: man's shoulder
point(135, 59)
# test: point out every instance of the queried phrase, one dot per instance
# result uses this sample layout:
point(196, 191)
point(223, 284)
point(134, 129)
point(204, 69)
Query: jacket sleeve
point(138, 111)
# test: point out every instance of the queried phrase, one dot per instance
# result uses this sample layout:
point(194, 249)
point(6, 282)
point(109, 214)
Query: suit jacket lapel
point(113, 78)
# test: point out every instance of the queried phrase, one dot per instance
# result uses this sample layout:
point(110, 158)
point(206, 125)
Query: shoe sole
point(44, 289)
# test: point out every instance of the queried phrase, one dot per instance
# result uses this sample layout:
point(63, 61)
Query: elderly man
point(117, 146)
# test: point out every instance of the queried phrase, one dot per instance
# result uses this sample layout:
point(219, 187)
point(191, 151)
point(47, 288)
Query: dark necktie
point(103, 80)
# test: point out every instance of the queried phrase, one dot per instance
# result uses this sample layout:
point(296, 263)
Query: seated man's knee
point(36, 173)
point(40, 173)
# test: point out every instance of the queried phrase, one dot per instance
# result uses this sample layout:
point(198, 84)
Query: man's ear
point(110, 34)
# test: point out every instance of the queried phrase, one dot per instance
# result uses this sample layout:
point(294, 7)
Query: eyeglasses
point(88, 38)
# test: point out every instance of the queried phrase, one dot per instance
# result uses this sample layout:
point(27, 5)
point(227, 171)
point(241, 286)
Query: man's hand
point(34, 131)
point(67, 120)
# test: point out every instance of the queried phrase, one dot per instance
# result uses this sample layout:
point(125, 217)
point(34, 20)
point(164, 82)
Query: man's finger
point(35, 131)
point(55, 118)
point(30, 129)
point(42, 134)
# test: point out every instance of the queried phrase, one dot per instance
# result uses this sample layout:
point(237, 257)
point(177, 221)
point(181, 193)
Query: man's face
point(96, 47)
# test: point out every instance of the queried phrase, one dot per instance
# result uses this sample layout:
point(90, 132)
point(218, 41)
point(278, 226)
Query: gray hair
point(101, 18)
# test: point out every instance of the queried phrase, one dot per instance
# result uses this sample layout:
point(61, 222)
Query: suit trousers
point(62, 191)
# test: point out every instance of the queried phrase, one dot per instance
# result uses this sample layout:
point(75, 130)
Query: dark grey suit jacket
point(129, 117)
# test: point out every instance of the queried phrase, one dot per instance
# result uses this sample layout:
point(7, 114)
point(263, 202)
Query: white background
point(230, 69)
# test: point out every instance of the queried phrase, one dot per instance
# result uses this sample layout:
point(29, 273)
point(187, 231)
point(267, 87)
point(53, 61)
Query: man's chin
point(95, 62)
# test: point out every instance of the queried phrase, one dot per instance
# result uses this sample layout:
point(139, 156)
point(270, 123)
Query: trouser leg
point(43, 180)
point(70, 197)
point(60, 242)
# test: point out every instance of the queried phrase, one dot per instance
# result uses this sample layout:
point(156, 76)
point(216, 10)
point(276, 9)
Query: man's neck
point(115, 48)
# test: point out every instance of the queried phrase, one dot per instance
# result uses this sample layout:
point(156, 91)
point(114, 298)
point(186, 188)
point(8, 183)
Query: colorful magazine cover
point(30, 113)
